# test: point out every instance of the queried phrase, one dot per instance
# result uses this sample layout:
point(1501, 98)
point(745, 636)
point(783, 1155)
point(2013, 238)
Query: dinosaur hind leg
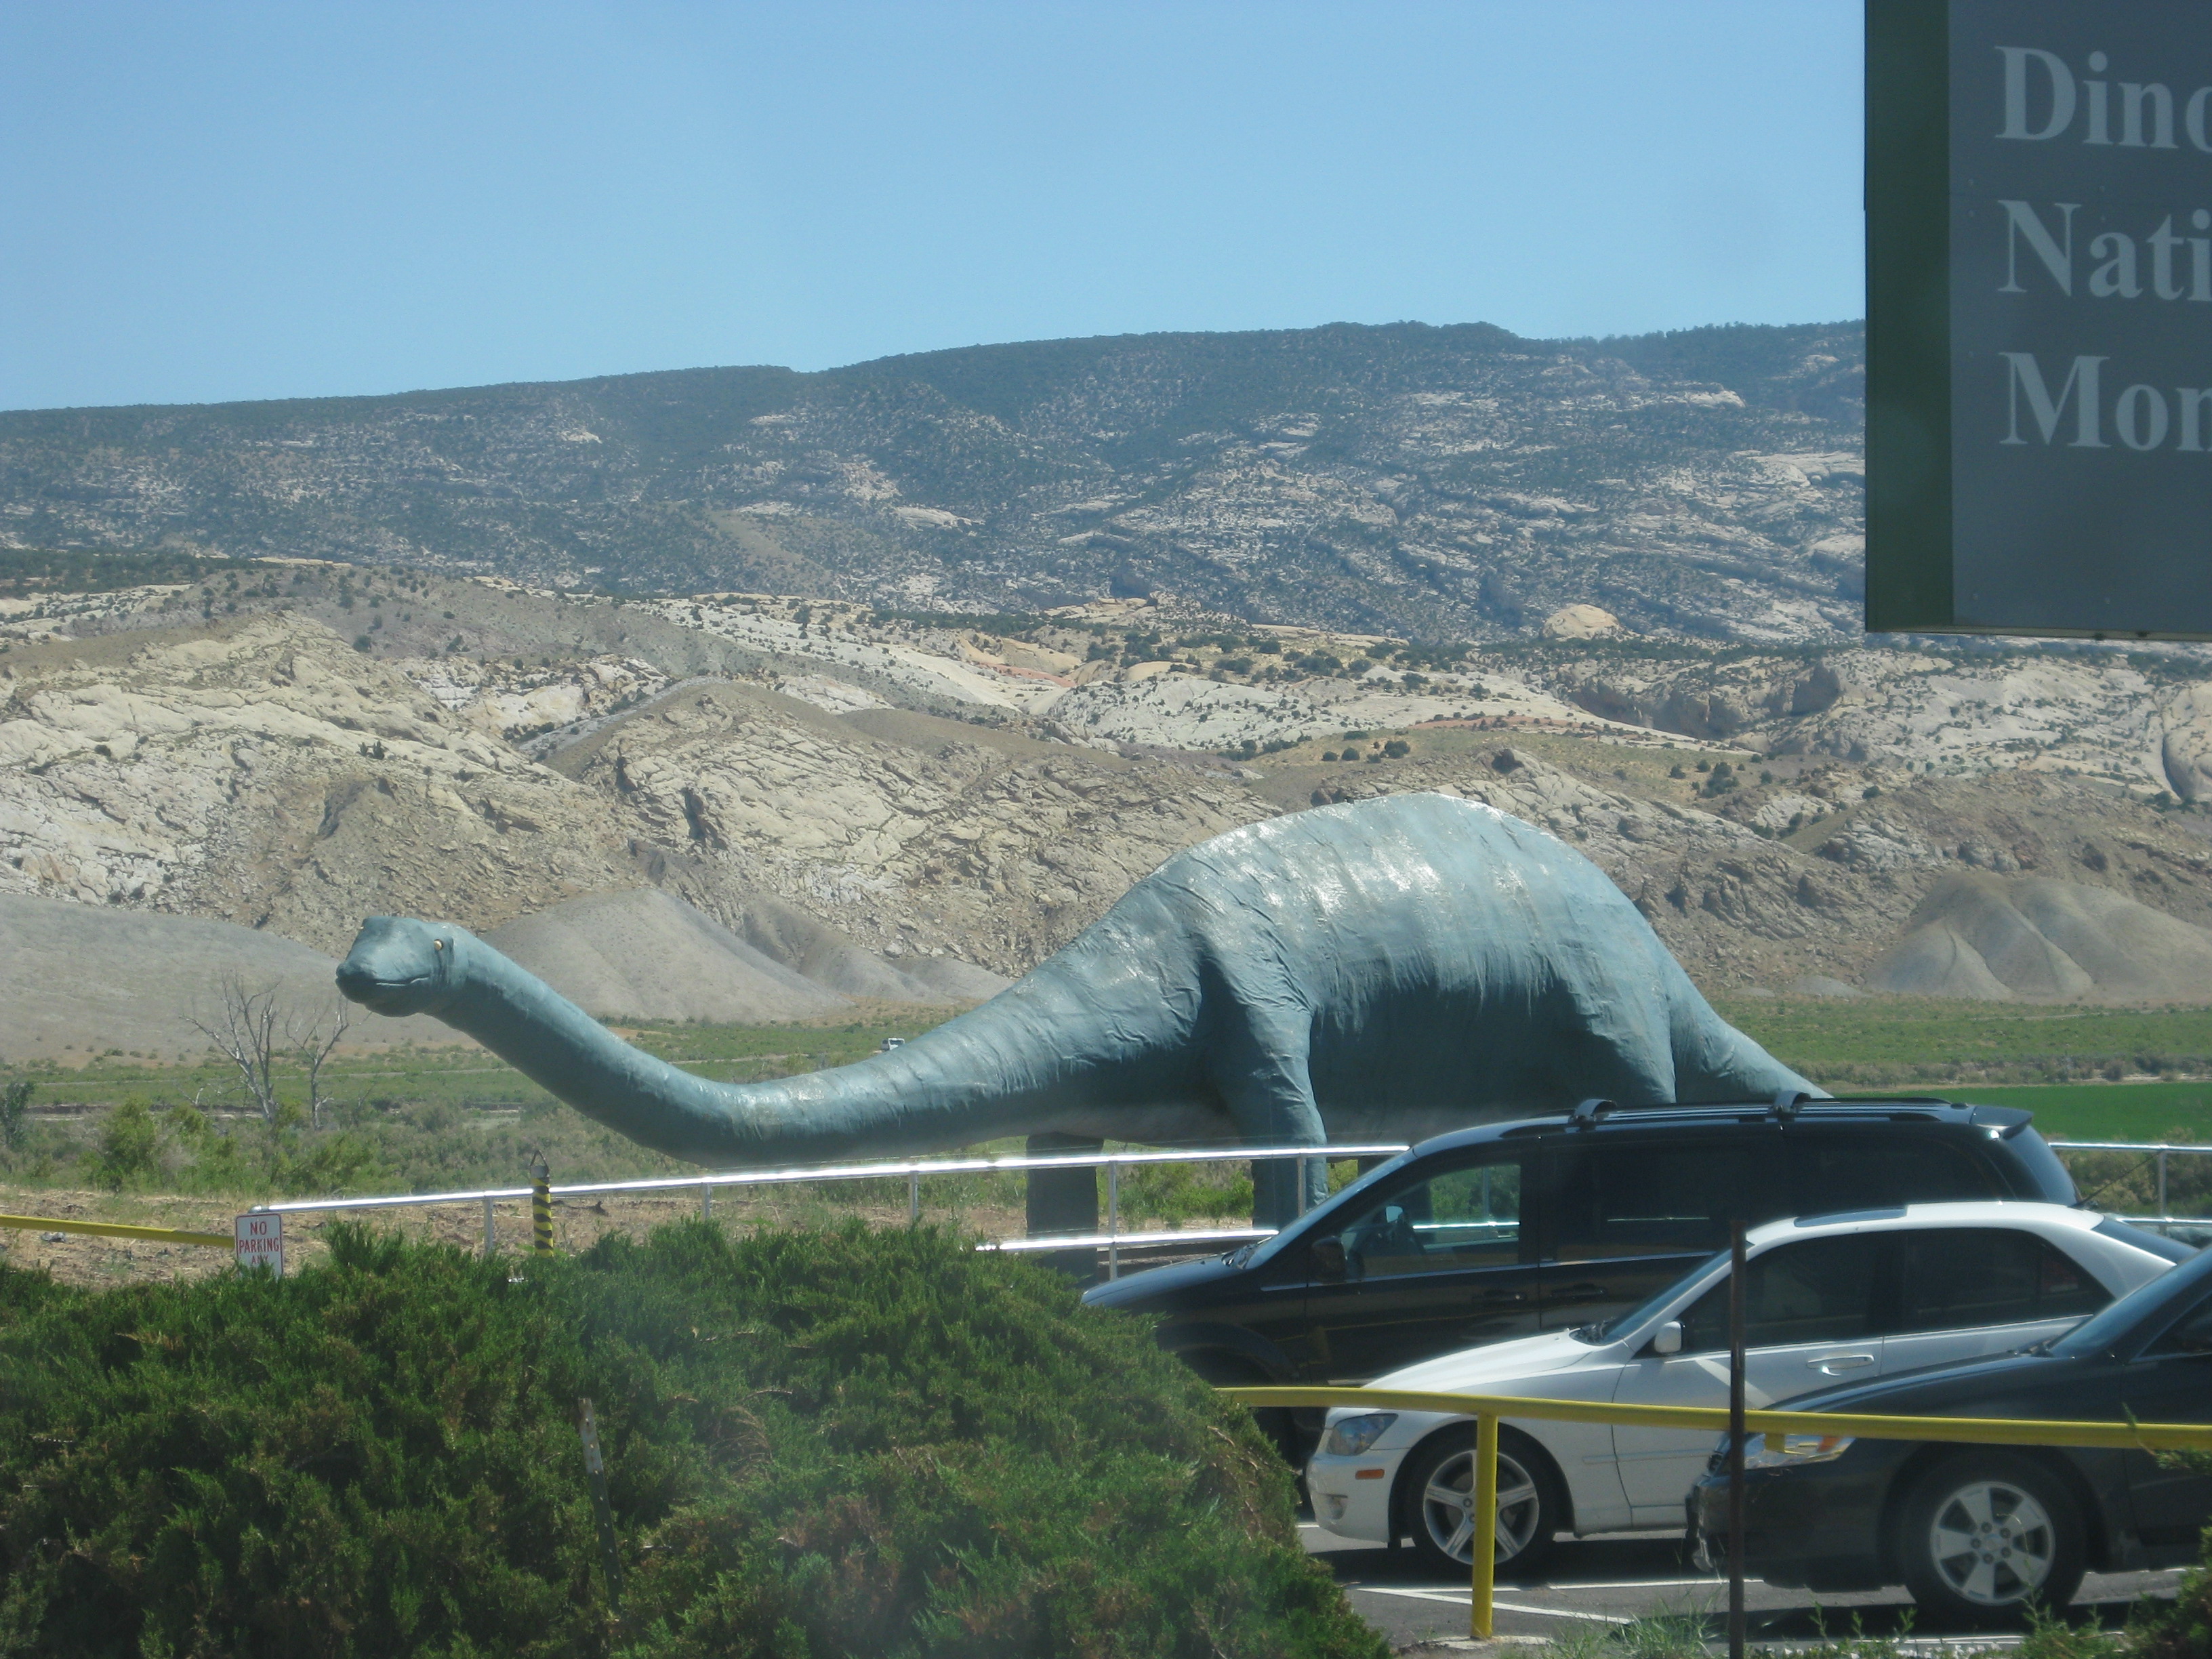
point(1259, 1068)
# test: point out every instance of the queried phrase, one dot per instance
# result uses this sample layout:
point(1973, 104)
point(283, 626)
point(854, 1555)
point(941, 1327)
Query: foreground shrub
point(817, 1443)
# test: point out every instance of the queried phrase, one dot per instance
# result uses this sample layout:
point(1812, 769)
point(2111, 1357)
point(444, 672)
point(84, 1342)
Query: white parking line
point(1635, 1583)
point(1558, 1613)
point(1463, 1598)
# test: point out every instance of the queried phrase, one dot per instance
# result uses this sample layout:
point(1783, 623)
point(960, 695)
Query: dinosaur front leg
point(1258, 1066)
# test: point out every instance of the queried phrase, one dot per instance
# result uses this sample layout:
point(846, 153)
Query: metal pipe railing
point(1109, 1242)
point(2161, 1148)
point(912, 1169)
point(1488, 1409)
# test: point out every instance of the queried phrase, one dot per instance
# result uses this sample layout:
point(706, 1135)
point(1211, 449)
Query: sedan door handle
point(1830, 1365)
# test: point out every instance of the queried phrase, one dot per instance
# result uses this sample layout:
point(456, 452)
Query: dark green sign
point(2040, 317)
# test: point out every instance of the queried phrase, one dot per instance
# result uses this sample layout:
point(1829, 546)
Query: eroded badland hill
point(916, 666)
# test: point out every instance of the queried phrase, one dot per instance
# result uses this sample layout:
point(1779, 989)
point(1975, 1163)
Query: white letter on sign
point(2027, 377)
point(2061, 82)
point(261, 1242)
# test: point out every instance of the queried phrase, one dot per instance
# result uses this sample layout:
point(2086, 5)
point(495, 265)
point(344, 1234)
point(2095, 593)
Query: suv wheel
point(1991, 1533)
point(1436, 1503)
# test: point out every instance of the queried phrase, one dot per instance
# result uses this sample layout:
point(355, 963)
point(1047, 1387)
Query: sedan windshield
point(1620, 1324)
point(2104, 1333)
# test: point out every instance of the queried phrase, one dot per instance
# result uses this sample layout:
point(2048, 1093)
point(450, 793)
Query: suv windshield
point(1253, 1254)
point(1620, 1324)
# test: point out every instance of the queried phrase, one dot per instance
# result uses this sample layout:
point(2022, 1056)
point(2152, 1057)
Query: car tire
point(1991, 1535)
point(1432, 1502)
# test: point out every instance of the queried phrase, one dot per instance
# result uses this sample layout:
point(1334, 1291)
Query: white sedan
point(1827, 1298)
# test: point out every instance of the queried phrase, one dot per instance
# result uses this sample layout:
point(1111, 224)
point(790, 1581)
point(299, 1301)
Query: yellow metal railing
point(119, 1229)
point(1488, 1409)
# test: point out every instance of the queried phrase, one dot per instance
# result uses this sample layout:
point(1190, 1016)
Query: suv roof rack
point(1789, 1103)
point(1788, 1107)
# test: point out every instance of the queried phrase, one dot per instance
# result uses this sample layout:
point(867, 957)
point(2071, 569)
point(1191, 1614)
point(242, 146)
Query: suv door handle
point(1829, 1364)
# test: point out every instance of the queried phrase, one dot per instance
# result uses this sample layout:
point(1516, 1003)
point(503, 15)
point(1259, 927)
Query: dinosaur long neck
point(1001, 1070)
point(571, 1056)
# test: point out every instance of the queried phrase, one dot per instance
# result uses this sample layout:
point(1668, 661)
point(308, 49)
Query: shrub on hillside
point(817, 1443)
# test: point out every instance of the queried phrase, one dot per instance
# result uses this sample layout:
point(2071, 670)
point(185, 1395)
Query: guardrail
point(119, 1229)
point(1489, 1409)
point(1112, 1241)
point(2161, 1147)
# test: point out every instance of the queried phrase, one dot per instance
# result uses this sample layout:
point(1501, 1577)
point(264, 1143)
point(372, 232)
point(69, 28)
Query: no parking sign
point(261, 1242)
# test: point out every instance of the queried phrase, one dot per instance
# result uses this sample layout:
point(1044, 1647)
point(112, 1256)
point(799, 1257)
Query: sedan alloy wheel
point(1992, 1543)
point(1441, 1505)
point(1991, 1533)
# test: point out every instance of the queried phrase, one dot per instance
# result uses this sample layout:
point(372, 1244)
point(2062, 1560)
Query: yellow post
point(1485, 1525)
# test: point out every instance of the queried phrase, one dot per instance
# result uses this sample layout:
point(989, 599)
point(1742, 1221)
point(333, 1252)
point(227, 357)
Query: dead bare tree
point(314, 1045)
point(245, 1029)
point(253, 1030)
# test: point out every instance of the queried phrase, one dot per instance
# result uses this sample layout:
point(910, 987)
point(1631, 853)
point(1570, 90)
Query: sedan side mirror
point(1328, 1258)
point(1668, 1339)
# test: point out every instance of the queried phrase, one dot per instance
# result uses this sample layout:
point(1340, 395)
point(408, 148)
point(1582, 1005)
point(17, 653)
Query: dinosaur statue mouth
point(384, 996)
point(393, 968)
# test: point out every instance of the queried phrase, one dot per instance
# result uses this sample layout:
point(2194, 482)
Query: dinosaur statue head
point(400, 966)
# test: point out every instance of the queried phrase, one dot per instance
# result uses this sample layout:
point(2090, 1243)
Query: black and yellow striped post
point(541, 1208)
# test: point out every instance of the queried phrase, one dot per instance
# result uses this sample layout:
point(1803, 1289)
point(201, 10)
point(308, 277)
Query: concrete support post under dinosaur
point(1064, 1200)
point(1391, 969)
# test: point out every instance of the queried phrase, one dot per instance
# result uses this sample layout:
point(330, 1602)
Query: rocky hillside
point(1434, 483)
point(876, 803)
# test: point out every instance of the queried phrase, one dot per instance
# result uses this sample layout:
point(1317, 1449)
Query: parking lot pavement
point(1615, 1580)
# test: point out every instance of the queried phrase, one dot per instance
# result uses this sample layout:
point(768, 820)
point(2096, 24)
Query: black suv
point(1513, 1228)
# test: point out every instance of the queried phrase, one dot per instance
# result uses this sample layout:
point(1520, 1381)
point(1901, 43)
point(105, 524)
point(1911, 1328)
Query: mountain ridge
point(1441, 481)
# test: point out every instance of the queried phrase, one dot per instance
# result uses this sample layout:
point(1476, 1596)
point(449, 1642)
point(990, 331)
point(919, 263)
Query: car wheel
point(1991, 1534)
point(1436, 1503)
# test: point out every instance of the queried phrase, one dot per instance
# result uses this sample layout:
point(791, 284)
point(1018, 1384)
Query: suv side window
point(1461, 1218)
point(1830, 1172)
point(1962, 1277)
point(1820, 1291)
point(1631, 1199)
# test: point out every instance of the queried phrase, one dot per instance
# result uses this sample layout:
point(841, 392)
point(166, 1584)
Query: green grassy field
point(2108, 1111)
point(447, 1119)
point(418, 1119)
point(1885, 1042)
point(469, 1077)
point(2064, 1064)
point(399, 1119)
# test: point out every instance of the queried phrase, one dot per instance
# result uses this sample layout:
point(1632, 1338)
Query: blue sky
point(213, 200)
